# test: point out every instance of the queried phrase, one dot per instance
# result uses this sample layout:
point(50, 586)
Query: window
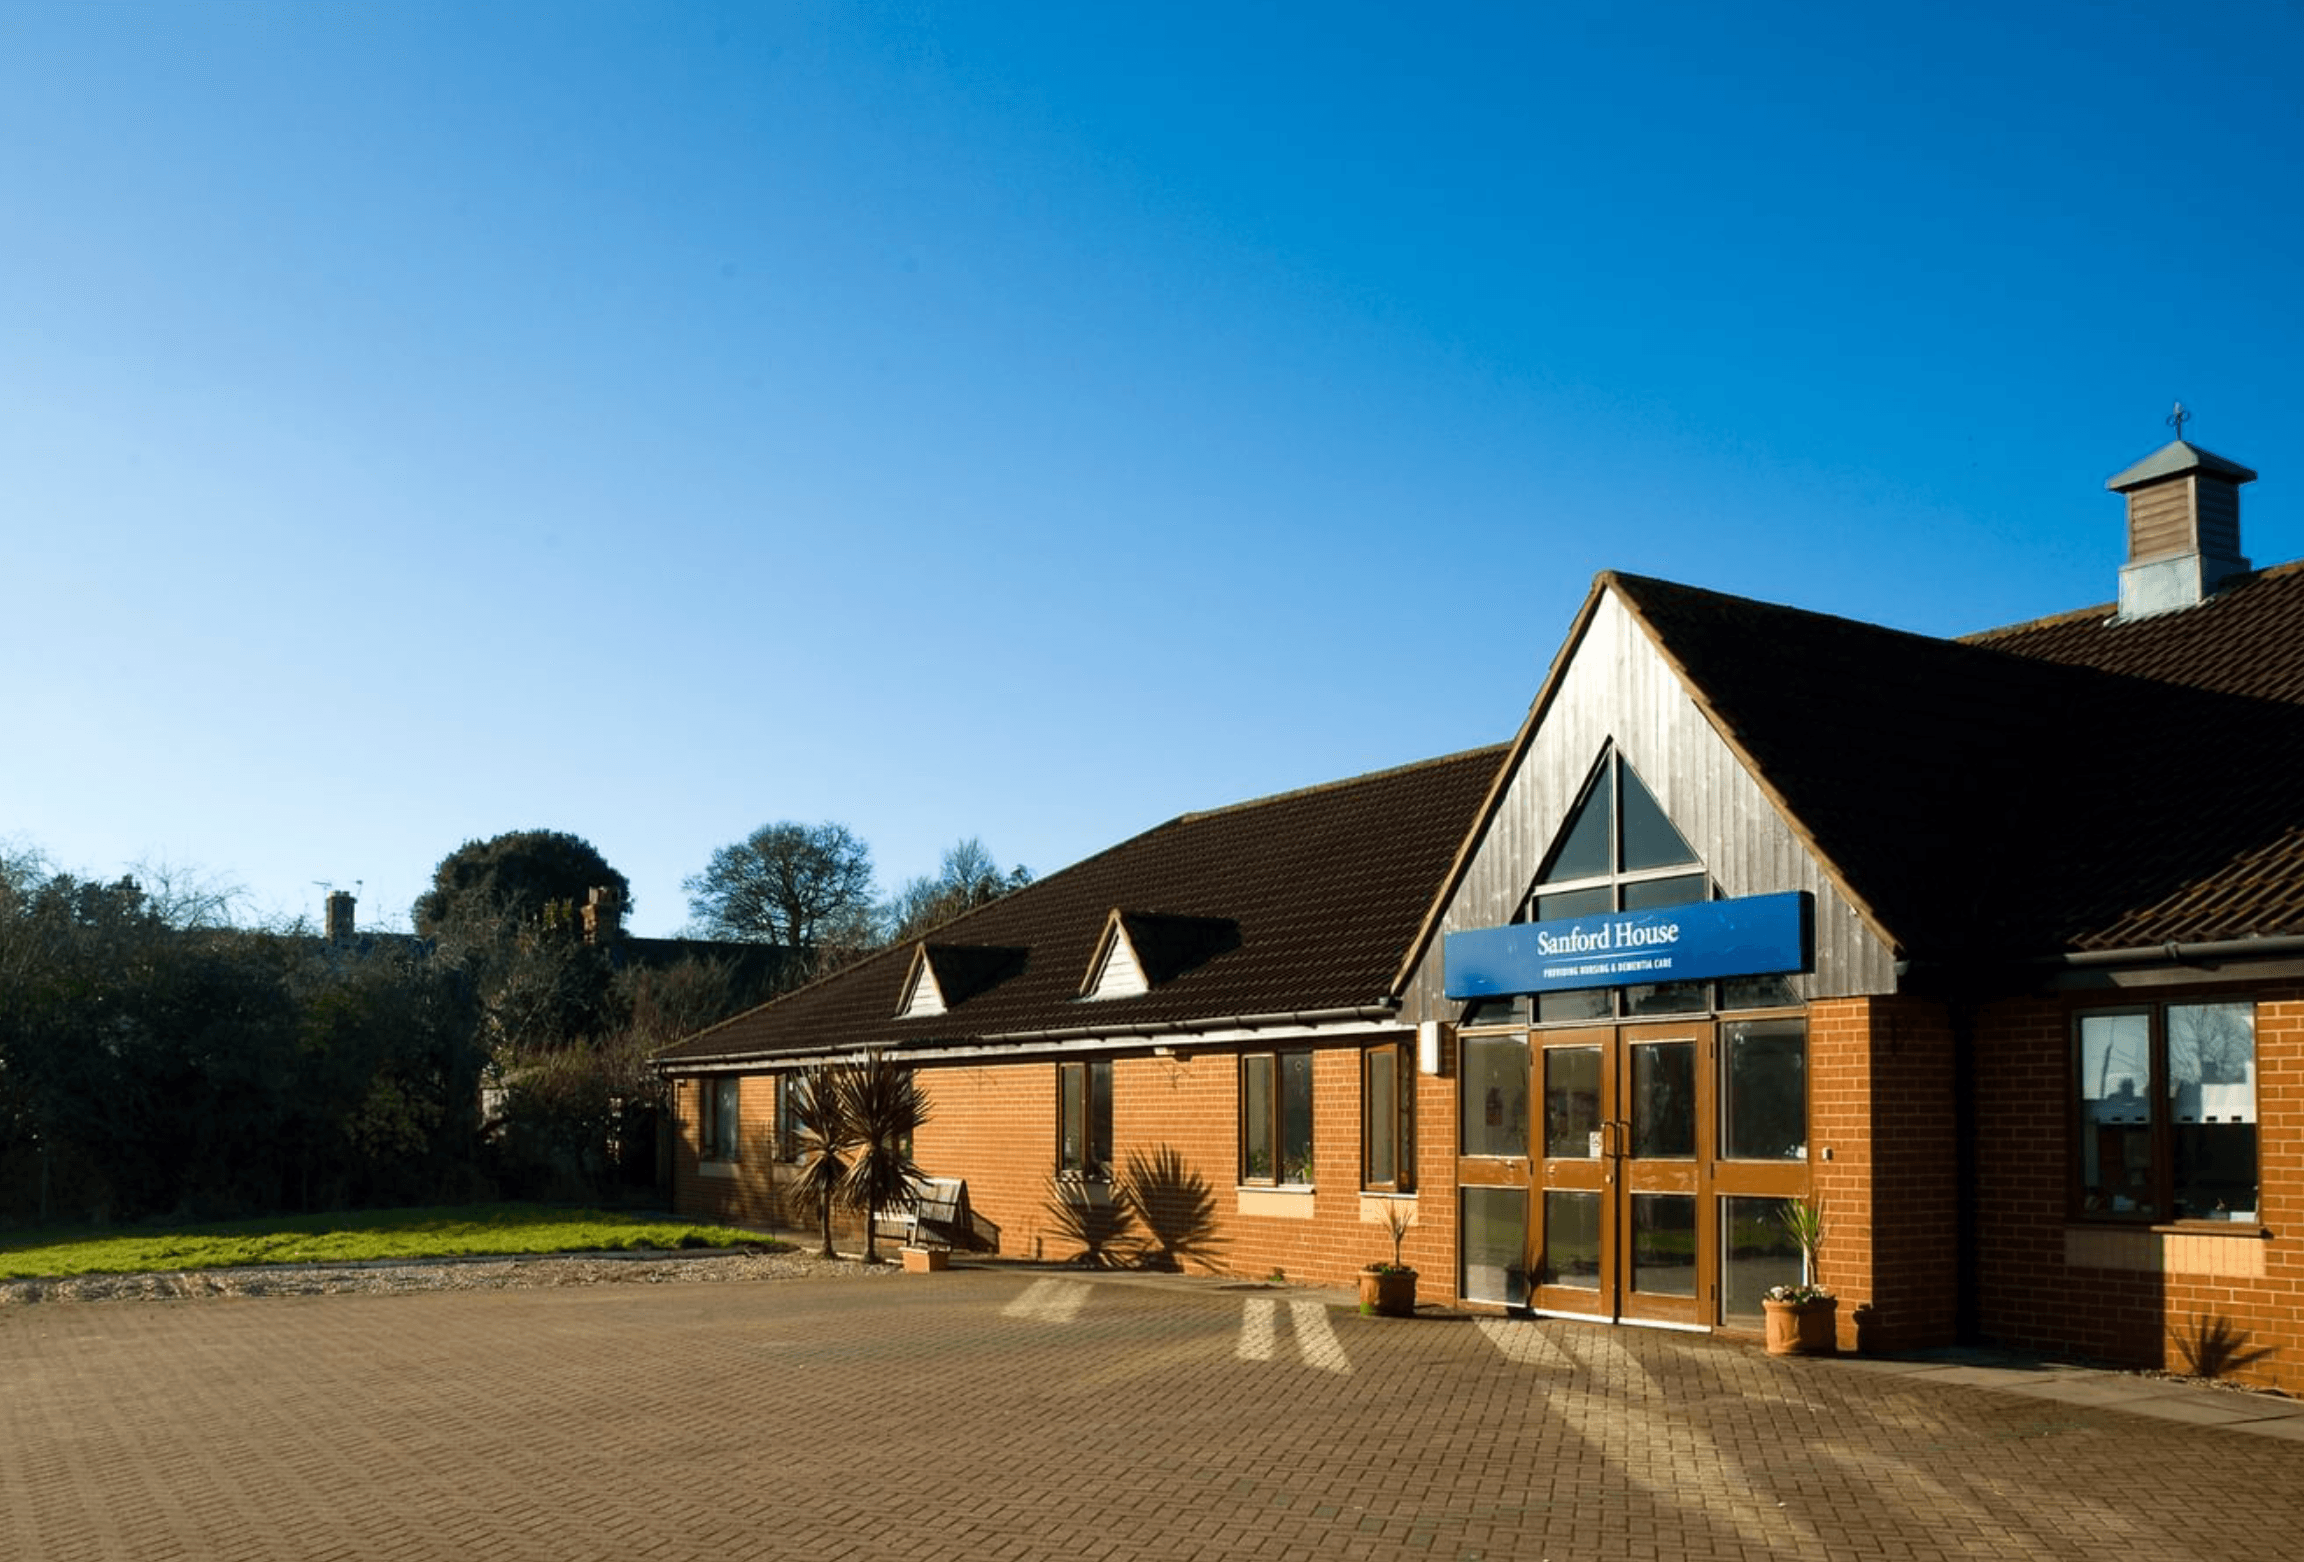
point(721, 1112)
point(787, 1118)
point(2167, 1112)
point(1388, 1119)
point(1276, 1118)
point(1756, 1253)
point(1618, 852)
point(1494, 1091)
point(1084, 1120)
point(1764, 1090)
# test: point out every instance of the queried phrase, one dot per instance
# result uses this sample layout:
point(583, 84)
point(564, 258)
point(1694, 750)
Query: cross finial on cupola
point(2177, 419)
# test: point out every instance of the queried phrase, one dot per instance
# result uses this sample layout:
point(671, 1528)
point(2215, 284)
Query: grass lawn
point(349, 1236)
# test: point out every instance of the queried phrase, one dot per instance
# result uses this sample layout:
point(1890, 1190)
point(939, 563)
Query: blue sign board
point(1751, 936)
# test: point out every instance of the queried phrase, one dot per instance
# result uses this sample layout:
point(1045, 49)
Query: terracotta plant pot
point(927, 1260)
point(1803, 1328)
point(1388, 1293)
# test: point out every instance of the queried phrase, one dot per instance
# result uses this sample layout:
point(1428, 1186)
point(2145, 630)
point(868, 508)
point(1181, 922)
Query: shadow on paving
point(1038, 1413)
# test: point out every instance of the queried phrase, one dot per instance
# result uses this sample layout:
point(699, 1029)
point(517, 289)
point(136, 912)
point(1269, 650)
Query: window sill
point(724, 1171)
point(1289, 1201)
point(2172, 1228)
point(2228, 1250)
point(2214, 1228)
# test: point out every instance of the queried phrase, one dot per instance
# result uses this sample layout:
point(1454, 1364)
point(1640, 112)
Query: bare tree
point(23, 868)
point(188, 897)
point(805, 886)
point(968, 877)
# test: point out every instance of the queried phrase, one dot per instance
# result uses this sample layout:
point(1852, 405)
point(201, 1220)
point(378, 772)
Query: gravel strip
point(477, 1274)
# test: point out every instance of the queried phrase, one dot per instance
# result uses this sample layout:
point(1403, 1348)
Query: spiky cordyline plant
point(1804, 1223)
point(820, 1112)
point(885, 1107)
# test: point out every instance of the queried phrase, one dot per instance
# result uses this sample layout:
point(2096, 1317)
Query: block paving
point(1014, 1413)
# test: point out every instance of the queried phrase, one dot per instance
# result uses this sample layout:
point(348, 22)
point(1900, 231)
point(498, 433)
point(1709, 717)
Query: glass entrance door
point(1618, 1202)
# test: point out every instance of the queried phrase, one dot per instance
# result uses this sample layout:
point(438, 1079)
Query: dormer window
point(941, 977)
point(1115, 972)
point(923, 996)
point(1139, 950)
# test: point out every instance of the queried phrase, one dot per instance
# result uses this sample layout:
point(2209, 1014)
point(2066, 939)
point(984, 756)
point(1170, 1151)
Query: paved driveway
point(1013, 1414)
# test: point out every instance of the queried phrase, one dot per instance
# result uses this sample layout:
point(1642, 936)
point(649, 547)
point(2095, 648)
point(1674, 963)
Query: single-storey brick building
point(1994, 946)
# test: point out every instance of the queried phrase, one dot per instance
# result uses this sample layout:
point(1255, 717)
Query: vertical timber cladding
point(1613, 686)
point(1616, 687)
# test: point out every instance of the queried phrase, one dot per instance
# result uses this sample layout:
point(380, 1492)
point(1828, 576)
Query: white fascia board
point(1019, 1048)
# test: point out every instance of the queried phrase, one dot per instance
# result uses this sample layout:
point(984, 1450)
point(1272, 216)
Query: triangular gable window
point(1142, 949)
point(1617, 826)
point(923, 996)
point(944, 975)
point(1587, 848)
point(1617, 851)
point(1116, 972)
point(1644, 837)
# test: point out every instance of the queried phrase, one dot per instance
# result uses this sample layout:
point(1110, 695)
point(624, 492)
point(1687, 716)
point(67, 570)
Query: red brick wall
point(1433, 1247)
point(752, 1197)
point(1881, 1104)
point(995, 1125)
point(1839, 1121)
point(2023, 1151)
point(2031, 1293)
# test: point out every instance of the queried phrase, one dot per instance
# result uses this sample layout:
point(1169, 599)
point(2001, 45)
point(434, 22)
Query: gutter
point(1300, 1020)
point(1220, 1030)
point(2174, 953)
point(2212, 952)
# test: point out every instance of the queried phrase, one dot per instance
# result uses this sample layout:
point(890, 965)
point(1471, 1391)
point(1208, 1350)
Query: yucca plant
point(884, 1107)
point(1804, 1224)
point(820, 1113)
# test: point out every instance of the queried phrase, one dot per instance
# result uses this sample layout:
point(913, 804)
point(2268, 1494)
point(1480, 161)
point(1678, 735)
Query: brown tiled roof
point(1324, 886)
point(1983, 804)
point(2232, 769)
point(2247, 639)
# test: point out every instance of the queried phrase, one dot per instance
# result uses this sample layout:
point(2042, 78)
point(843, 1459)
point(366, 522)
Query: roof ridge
point(1701, 693)
point(1388, 773)
point(2105, 610)
point(1630, 585)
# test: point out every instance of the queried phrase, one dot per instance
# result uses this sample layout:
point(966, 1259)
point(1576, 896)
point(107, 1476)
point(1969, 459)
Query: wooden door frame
point(1613, 1173)
point(1592, 1173)
point(1690, 1176)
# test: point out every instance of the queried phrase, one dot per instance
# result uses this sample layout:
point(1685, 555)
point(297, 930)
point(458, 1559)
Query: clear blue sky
point(424, 420)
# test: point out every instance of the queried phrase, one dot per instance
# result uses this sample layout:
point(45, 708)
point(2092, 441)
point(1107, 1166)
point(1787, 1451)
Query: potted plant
point(1389, 1290)
point(1803, 1319)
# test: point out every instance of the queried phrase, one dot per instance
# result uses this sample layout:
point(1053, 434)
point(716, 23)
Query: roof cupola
point(2183, 526)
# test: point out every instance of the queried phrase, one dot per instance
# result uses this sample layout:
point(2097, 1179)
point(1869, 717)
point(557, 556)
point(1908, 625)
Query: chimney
point(604, 916)
point(340, 904)
point(2183, 529)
